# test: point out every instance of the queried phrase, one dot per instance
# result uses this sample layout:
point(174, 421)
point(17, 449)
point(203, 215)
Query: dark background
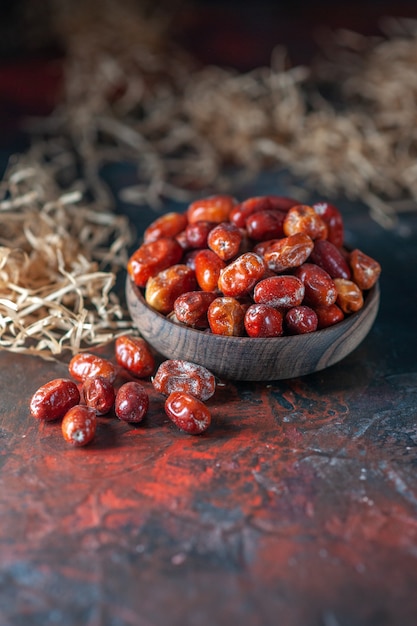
point(300, 507)
point(239, 34)
point(26, 26)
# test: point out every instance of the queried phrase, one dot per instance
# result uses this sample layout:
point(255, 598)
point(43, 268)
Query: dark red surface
point(298, 507)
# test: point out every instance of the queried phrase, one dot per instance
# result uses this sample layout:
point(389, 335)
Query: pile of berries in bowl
point(240, 287)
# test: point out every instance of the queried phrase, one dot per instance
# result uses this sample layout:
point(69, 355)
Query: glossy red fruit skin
point(215, 208)
point(333, 218)
point(226, 317)
point(240, 276)
point(225, 239)
point(168, 225)
point(132, 402)
point(181, 239)
point(86, 365)
point(207, 269)
point(320, 289)
point(153, 257)
point(280, 292)
point(191, 308)
point(328, 257)
point(328, 315)
point(304, 219)
point(79, 425)
point(301, 320)
point(98, 394)
point(197, 233)
point(349, 295)
point(134, 355)
point(163, 289)
point(242, 211)
point(365, 269)
point(188, 413)
point(288, 252)
point(265, 225)
point(262, 246)
point(54, 399)
point(180, 375)
point(262, 320)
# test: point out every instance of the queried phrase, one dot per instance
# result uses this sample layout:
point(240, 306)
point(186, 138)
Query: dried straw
point(131, 96)
point(58, 264)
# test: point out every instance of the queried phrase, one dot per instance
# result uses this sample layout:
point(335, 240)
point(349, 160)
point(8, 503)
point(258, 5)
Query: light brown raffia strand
point(132, 96)
point(58, 264)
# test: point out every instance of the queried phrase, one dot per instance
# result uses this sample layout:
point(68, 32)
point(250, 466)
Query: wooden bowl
point(255, 359)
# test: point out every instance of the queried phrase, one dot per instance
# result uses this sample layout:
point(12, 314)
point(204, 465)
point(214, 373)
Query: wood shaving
point(58, 264)
point(132, 96)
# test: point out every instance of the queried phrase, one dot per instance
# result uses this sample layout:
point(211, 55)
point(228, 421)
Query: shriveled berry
point(301, 320)
point(54, 399)
point(134, 354)
point(207, 269)
point(132, 402)
point(304, 219)
point(226, 317)
point(168, 225)
point(333, 218)
point(328, 256)
point(242, 211)
point(179, 375)
point(181, 238)
point(225, 239)
point(365, 269)
point(328, 315)
point(79, 425)
point(319, 287)
point(191, 307)
point(262, 246)
point(163, 289)
point(280, 292)
point(187, 412)
point(288, 252)
point(86, 365)
point(98, 393)
point(265, 225)
point(349, 295)
point(240, 276)
point(197, 233)
point(153, 257)
point(212, 209)
point(262, 320)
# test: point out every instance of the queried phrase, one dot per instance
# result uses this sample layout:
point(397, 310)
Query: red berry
point(132, 402)
point(187, 412)
point(98, 394)
point(79, 425)
point(54, 399)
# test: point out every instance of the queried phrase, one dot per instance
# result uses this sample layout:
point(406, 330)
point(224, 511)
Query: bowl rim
point(276, 358)
point(371, 296)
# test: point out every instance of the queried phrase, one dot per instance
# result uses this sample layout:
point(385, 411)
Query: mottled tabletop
point(297, 507)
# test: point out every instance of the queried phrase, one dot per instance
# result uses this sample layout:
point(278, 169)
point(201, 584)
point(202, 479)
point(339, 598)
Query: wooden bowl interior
point(252, 359)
